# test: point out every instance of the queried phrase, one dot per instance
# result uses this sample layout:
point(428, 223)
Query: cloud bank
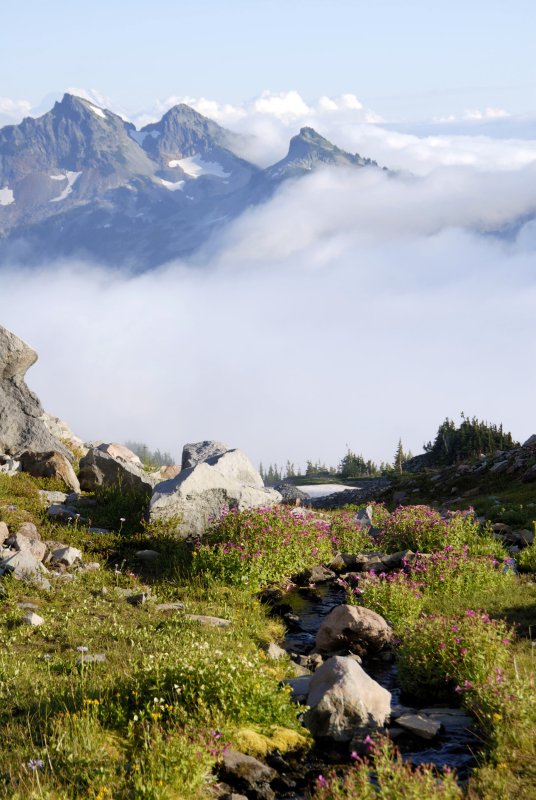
point(350, 310)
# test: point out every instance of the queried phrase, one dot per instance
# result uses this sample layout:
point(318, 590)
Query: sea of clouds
point(353, 308)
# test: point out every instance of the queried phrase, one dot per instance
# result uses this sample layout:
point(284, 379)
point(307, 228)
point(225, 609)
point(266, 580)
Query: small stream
point(454, 746)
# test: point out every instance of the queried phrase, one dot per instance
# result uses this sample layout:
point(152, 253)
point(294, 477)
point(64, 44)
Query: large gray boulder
point(198, 495)
point(354, 628)
point(98, 468)
point(344, 701)
point(195, 453)
point(22, 425)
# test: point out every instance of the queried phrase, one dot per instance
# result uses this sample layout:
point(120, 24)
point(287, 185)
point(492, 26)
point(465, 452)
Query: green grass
point(143, 723)
point(150, 722)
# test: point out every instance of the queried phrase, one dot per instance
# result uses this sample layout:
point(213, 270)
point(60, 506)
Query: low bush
point(396, 597)
point(263, 546)
point(439, 654)
point(526, 558)
point(385, 776)
point(456, 574)
point(420, 528)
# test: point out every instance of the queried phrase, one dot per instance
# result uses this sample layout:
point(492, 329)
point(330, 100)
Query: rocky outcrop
point(196, 452)
point(120, 452)
point(61, 431)
point(22, 426)
point(291, 493)
point(344, 701)
point(199, 494)
point(369, 489)
point(353, 628)
point(247, 774)
point(98, 468)
point(50, 465)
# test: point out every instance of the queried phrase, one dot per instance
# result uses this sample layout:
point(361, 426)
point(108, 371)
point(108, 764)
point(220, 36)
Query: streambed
point(454, 746)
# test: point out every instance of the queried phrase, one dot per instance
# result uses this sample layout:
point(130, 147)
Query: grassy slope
point(143, 724)
point(147, 722)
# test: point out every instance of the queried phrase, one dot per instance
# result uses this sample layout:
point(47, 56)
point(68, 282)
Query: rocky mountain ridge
point(82, 182)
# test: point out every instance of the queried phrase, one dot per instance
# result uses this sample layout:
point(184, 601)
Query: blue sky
point(407, 60)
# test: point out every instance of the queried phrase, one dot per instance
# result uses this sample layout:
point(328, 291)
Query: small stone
point(452, 719)
point(21, 541)
point(419, 724)
point(29, 530)
point(52, 497)
point(138, 599)
point(4, 532)
point(66, 555)
point(25, 566)
point(32, 619)
point(216, 622)
point(93, 566)
point(147, 556)
point(292, 621)
point(318, 574)
point(274, 651)
point(299, 671)
point(248, 774)
point(28, 606)
point(164, 607)
point(58, 511)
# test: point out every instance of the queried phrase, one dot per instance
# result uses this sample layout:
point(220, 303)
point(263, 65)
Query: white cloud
point(352, 308)
point(12, 111)
point(476, 115)
point(269, 121)
point(93, 95)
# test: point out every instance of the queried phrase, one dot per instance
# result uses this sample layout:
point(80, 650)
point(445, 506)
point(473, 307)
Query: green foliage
point(470, 439)
point(526, 558)
point(97, 730)
point(439, 653)
point(151, 459)
point(262, 546)
point(422, 529)
point(396, 598)
point(385, 776)
point(355, 466)
point(119, 508)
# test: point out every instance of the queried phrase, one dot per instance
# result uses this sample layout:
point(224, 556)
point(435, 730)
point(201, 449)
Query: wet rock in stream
point(453, 744)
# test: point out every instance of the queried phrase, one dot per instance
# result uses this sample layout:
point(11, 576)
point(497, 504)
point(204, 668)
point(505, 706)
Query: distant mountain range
point(81, 182)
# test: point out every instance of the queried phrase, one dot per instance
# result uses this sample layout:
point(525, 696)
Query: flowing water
point(454, 746)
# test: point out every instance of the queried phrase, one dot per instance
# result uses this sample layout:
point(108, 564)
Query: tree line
point(452, 444)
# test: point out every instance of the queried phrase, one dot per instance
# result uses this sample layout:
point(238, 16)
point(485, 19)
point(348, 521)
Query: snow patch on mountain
point(98, 111)
point(71, 178)
point(172, 186)
point(6, 196)
point(195, 167)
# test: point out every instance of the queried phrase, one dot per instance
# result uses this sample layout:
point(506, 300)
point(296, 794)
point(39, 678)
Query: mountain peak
point(74, 107)
point(307, 150)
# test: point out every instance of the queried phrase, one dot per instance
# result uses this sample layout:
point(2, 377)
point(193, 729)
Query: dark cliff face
point(80, 181)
